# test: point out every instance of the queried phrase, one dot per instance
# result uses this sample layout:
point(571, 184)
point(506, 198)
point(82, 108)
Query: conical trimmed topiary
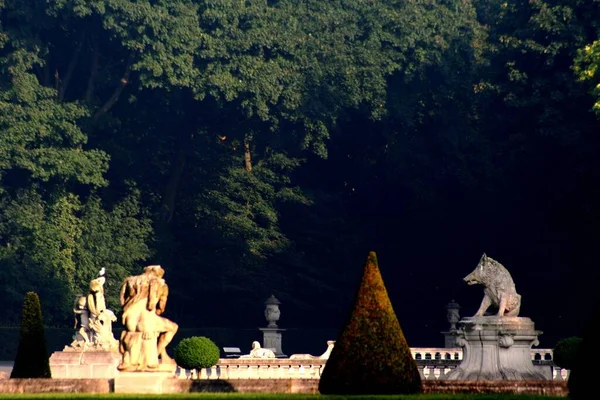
point(371, 355)
point(32, 356)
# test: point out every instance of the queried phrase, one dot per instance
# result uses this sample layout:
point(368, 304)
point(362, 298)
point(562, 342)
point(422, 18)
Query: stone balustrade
point(433, 363)
point(279, 368)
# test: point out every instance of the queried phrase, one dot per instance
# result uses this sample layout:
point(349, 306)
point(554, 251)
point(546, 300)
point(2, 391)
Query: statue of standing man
point(145, 338)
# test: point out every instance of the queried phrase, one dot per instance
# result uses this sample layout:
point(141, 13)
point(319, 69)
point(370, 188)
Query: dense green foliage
point(31, 360)
point(565, 352)
point(371, 355)
point(259, 147)
point(196, 352)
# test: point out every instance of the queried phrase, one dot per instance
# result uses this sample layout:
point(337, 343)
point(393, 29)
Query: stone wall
point(537, 387)
point(304, 386)
point(56, 386)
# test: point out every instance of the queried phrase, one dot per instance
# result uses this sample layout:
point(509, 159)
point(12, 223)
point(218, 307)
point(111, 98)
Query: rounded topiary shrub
point(196, 352)
point(565, 352)
point(31, 360)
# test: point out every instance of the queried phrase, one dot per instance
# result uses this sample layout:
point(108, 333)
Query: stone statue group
point(146, 333)
point(95, 320)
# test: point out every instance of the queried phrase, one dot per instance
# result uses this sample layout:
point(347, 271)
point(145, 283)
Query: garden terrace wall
point(542, 388)
point(304, 386)
point(56, 386)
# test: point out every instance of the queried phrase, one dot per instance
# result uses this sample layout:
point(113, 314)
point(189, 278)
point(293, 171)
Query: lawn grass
point(268, 396)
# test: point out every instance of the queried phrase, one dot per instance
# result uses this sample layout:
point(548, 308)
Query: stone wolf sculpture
point(498, 288)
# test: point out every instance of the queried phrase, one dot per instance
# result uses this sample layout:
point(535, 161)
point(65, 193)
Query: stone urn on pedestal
point(272, 312)
point(272, 333)
point(453, 317)
point(496, 347)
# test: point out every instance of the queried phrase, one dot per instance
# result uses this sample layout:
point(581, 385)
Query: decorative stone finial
point(272, 312)
point(452, 314)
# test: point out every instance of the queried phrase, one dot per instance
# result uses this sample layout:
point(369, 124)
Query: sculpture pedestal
point(142, 382)
point(272, 340)
point(84, 364)
point(496, 348)
point(450, 339)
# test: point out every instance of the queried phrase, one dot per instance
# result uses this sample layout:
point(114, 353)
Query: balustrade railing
point(433, 364)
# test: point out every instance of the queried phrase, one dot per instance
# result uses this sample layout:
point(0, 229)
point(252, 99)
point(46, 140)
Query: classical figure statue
point(82, 324)
point(101, 318)
point(498, 288)
point(145, 338)
point(95, 320)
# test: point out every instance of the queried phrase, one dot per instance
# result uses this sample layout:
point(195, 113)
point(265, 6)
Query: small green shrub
point(31, 360)
point(565, 352)
point(196, 352)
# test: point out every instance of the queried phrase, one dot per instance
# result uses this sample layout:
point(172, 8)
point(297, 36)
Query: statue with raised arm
point(101, 318)
point(94, 328)
point(145, 338)
point(498, 288)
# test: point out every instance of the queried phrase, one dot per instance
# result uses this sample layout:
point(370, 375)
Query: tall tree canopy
point(262, 146)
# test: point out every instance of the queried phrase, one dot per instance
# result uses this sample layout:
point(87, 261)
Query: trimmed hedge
point(31, 360)
point(565, 352)
point(582, 378)
point(196, 352)
point(371, 355)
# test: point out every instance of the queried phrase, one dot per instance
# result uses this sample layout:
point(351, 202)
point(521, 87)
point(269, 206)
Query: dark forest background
point(264, 147)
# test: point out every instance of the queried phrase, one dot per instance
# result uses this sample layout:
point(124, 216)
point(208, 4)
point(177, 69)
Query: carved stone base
point(168, 367)
point(84, 364)
point(496, 348)
point(272, 340)
point(142, 382)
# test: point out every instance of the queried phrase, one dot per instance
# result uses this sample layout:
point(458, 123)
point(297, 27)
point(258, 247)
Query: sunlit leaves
point(41, 134)
point(587, 64)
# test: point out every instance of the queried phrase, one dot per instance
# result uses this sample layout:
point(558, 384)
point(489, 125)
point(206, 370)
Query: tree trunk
point(118, 90)
point(65, 83)
point(168, 204)
point(188, 128)
point(89, 91)
point(247, 152)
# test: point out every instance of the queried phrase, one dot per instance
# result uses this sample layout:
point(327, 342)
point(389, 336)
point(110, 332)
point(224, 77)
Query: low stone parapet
point(533, 387)
point(303, 386)
point(56, 386)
